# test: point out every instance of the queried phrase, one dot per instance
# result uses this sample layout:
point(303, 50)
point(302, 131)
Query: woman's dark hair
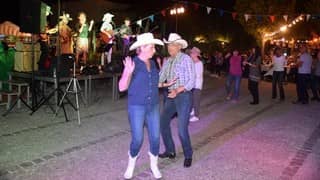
point(276, 50)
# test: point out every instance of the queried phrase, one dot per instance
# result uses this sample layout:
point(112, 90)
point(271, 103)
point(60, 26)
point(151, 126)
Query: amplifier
point(23, 57)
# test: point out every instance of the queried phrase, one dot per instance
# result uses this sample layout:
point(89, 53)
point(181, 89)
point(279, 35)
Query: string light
point(314, 40)
point(285, 27)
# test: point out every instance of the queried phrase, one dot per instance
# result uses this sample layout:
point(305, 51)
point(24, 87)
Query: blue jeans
point(237, 81)
point(303, 81)
point(180, 105)
point(277, 80)
point(139, 115)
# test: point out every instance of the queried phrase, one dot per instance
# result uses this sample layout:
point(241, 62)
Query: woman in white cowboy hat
point(140, 77)
point(181, 67)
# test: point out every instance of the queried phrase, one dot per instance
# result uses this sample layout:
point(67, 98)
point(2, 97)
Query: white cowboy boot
point(130, 168)
point(154, 166)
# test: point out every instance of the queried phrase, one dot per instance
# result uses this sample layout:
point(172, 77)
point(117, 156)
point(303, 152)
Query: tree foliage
point(260, 11)
point(313, 7)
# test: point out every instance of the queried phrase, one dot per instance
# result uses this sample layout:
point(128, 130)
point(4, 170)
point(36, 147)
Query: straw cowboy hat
point(107, 16)
point(144, 39)
point(176, 38)
point(66, 17)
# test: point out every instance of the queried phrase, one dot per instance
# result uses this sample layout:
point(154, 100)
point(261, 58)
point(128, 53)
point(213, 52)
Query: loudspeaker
point(30, 16)
point(65, 64)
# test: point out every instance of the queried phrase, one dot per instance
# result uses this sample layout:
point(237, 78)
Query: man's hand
point(173, 93)
point(171, 82)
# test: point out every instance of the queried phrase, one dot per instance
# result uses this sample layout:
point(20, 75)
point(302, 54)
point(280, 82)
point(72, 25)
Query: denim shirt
point(143, 88)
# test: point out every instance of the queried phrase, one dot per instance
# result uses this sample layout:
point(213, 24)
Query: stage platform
point(86, 78)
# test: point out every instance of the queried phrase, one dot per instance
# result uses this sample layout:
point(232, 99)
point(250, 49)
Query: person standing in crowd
point(254, 63)
point(315, 80)
point(179, 66)
point(195, 54)
point(234, 76)
point(126, 35)
point(219, 64)
point(303, 77)
point(82, 46)
point(278, 62)
point(107, 36)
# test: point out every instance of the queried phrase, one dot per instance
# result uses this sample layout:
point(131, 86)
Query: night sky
point(139, 7)
point(190, 23)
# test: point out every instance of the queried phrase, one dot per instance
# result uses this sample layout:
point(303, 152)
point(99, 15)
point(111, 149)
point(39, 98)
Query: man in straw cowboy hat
point(106, 34)
point(65, 34)
point(179, 66)
point(141, 78)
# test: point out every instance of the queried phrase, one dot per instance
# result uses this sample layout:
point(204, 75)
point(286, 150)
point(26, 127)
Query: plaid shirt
point(181, 67)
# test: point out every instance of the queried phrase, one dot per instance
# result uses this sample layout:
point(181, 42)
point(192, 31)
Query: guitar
point(105, 38)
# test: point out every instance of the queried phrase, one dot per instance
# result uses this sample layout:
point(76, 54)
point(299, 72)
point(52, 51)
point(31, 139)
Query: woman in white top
point(196, 91)
point(278, 62)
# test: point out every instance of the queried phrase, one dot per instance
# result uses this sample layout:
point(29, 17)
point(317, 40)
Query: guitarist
point(107, 36)
point(82, 45)
point(65, 35)
point(126, 35)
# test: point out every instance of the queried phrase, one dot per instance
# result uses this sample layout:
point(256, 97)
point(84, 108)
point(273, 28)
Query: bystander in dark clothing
point(303, 77)
point(254, 74)
point(315, 78)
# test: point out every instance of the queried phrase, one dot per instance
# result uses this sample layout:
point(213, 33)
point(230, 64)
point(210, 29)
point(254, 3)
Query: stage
point(88, 80)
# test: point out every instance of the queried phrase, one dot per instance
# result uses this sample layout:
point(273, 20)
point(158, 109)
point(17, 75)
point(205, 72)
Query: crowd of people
point(180, 78)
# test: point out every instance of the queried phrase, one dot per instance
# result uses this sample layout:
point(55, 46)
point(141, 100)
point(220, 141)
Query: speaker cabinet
point(30, 11)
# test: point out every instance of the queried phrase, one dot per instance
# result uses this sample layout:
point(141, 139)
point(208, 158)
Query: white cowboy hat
point(176, 38)
point(106, 16)
point(144, 39)
point(66, 16)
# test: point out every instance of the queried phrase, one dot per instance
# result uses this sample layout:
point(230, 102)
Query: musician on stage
point(107, 36)
point(126, 35)
point(82, 45)
point(65, 34)
point(44, 61)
